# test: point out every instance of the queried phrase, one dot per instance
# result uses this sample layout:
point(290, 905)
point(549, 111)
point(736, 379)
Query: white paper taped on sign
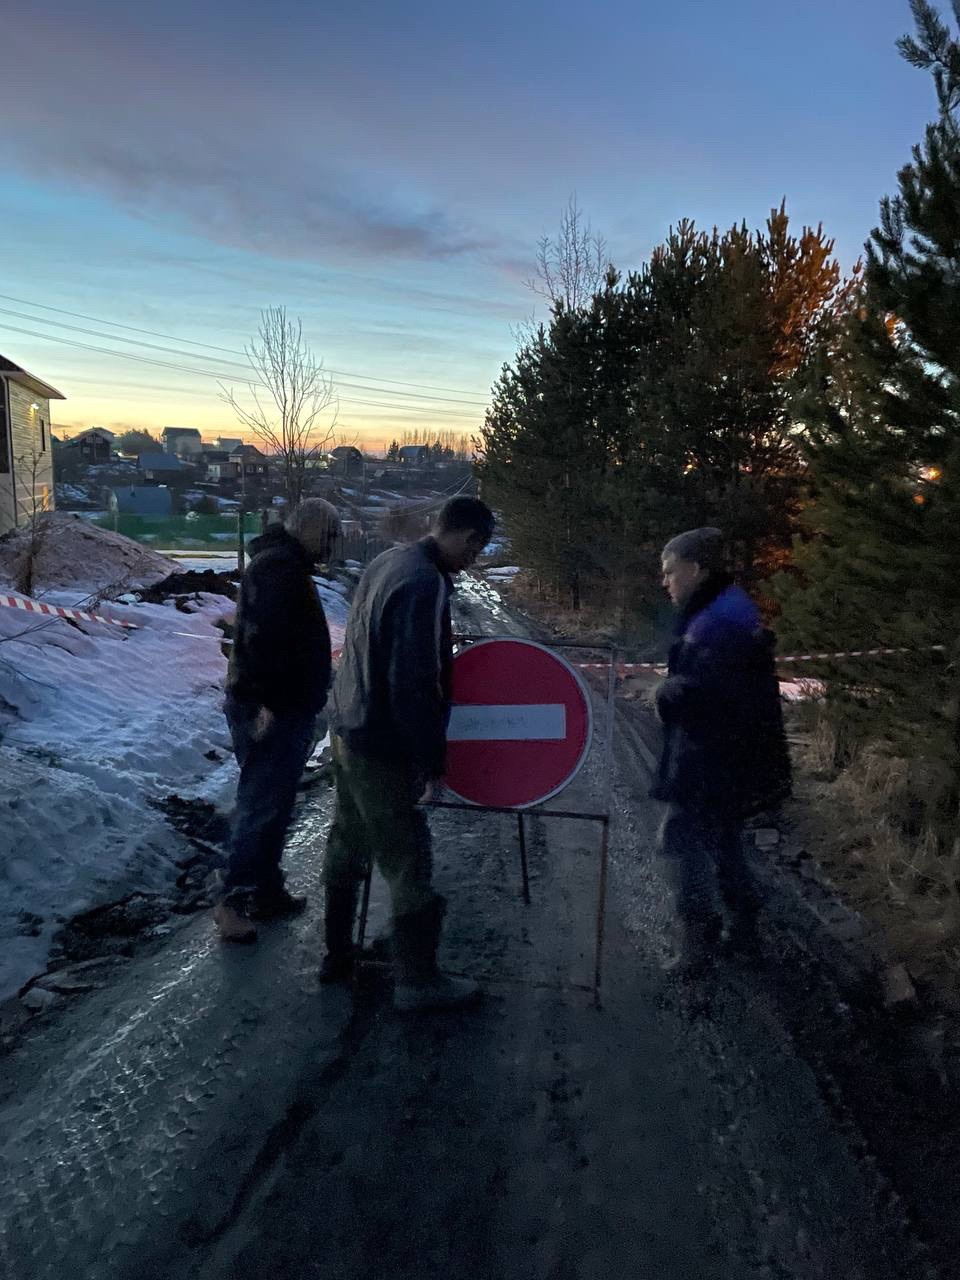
point(538, 722)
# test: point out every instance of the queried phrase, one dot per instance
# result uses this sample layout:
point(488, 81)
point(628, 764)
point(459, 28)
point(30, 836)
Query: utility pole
point(241, 549)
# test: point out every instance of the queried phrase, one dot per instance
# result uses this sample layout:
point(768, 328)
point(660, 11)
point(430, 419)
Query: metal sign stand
point(603, 817)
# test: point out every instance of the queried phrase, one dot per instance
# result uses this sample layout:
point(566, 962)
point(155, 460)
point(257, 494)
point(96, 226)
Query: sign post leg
point(364, 908)
point(601, 910)
point(523, 859)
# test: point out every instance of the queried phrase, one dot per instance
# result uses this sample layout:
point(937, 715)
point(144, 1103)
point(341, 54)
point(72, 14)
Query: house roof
point(91, 431)
point(248, 451)
point(159, 462)
point(180, 431)
point(143, 500)
point(10, 370)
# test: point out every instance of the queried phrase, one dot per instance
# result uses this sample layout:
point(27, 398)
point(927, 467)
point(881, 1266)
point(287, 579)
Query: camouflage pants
point(377, 821)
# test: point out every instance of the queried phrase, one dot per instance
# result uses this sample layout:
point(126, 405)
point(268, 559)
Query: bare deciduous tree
point(36, 505)
point(570, 268)
point(291, 395)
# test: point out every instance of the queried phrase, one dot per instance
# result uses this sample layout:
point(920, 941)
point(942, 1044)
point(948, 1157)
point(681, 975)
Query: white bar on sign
point(538, 722)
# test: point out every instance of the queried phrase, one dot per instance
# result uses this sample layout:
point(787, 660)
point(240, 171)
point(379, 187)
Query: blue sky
point(385, 171)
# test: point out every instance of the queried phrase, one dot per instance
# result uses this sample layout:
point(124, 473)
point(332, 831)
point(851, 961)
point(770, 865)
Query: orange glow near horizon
point(79, 413)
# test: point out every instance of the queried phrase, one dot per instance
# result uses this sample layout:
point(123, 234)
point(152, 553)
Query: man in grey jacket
point(388, 718)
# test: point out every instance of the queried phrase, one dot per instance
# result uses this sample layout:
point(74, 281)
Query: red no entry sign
point(520, 726)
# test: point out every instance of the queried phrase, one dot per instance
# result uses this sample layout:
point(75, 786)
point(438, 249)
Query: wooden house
point(26, 449)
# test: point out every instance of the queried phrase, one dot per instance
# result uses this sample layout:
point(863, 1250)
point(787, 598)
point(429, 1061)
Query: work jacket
point(281, 651)
point(391, 696)
point(724, 748)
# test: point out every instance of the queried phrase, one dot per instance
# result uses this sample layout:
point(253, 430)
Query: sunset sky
point(385, 171)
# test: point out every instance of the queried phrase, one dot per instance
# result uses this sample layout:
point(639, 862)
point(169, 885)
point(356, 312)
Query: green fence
point(177, 533)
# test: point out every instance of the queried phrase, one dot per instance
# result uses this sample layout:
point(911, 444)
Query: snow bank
point(94, 724)
point(74, 553)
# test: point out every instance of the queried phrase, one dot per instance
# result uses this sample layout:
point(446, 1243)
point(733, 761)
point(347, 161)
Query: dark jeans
point(270, 769)
point(708, 868)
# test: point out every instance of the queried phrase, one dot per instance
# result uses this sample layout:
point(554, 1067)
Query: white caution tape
point(54, 611)
point(194, 635)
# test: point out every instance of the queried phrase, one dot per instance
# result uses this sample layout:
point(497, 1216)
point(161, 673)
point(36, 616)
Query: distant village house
point(93, 445)
point(161, 468)
point(181, 440)
point(345, 460)
point(249, 461)
point(149, 502)
point(26, 451)
point(414, 455)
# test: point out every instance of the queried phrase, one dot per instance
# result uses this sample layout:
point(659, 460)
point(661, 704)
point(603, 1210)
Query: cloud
point(246, 165)
point(273, 209)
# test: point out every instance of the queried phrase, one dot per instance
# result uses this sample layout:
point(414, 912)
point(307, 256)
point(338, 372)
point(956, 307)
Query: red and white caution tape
point(54, 611)
point(623, 667)
point(860, 653)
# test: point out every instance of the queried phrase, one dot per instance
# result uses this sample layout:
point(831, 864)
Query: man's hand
point(263, 723)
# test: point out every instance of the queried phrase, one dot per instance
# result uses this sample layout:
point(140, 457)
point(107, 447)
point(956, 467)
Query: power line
point(249, 374)
point(115, 324)
point(424, 410)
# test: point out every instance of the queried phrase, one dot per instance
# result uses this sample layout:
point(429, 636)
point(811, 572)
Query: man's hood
point(276, 536)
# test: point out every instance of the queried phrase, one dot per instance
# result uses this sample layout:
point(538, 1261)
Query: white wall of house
point(26, 463)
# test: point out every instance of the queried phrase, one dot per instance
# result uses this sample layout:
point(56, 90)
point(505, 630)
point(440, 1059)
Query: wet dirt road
point(218, 1114)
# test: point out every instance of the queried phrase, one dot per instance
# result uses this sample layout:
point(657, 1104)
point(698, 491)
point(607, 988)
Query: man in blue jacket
point(388, 721)
point(277, 683)
point(724, 753)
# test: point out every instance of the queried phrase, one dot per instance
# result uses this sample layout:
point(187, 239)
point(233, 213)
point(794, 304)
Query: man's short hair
point(466, 513)
point(701, 546)
point(313, 514)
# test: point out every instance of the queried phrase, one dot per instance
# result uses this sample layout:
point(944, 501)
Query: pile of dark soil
point(110, 929)
point(208, 831)
point(191, 581)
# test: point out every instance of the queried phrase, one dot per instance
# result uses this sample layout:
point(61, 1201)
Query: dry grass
point(854, 823)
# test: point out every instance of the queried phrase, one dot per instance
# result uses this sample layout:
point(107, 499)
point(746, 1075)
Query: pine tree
point(880, 413)
point(660, 405)
point(728, 319)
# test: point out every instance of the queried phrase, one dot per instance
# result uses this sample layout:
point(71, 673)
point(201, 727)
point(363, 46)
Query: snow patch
point(95, 724)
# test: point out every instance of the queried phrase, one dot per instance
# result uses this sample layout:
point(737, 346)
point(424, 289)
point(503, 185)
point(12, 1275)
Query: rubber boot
point(339, 910)
point(421, 987)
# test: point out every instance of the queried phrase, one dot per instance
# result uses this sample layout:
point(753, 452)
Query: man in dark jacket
point(388, 721)
point(724, 752)
point(277, 682)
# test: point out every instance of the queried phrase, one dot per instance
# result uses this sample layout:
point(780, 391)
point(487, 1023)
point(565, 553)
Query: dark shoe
point(276, 905)
point(232, 925)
